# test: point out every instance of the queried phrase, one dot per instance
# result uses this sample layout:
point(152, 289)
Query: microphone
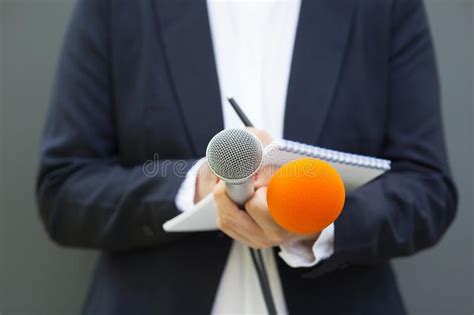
point(305, 196)
point(235, 155)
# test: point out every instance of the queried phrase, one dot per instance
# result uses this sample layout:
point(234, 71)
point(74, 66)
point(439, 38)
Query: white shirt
point(253, 46)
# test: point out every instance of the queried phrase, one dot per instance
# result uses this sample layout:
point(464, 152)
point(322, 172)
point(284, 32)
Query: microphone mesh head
point(234, 154)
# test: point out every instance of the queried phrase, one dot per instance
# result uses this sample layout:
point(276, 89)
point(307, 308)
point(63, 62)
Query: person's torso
point(167, 102)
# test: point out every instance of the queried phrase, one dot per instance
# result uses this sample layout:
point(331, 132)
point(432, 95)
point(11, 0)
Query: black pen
point(239, 112)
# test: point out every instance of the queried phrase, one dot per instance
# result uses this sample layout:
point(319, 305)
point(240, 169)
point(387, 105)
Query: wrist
point(205, 182)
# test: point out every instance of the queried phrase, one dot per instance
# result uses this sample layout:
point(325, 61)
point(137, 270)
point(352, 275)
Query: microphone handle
point(240, 193)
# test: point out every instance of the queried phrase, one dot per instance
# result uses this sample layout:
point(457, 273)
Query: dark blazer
point(138, 78)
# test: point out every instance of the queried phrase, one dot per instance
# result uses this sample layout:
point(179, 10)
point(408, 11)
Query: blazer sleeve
point(86, 196)
point(410, 207)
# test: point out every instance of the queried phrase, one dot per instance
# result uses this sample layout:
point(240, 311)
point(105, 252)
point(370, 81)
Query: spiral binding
point(333, 156)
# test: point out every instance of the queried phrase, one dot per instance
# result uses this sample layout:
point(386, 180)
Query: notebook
point(355, 170)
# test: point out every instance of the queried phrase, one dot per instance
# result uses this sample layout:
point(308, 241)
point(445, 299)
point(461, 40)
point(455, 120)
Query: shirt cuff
point(298, 254)
point(184, 199)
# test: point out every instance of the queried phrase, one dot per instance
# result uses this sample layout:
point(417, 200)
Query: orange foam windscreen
point(305, 196)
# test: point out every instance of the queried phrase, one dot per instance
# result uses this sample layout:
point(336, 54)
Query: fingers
point(222, 200)
point(250, 236)
point(236, 223)
point(254, 227)
point(264, 175)
point(257, 209)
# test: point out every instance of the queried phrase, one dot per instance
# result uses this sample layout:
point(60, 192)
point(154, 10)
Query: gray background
point(37, 277)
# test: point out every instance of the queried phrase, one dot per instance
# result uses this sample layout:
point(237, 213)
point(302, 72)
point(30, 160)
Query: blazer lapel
point(186, 38)
point(321, 38)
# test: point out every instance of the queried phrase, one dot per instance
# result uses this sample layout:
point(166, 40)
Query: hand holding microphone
point(258, 227)
point(235, 157)
point(302, 198)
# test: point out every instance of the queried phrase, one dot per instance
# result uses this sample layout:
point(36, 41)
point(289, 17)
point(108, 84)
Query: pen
point(239, 112)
